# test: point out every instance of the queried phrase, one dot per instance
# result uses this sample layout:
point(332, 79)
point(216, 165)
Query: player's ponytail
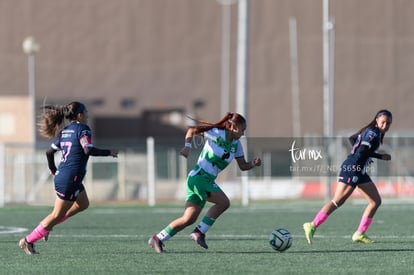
point(50, 120)
point(224, 123)
point(53, 117)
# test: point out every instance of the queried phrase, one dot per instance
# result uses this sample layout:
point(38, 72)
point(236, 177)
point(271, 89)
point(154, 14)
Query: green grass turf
point(111, 239)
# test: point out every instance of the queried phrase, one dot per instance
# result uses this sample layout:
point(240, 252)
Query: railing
point(151, 171)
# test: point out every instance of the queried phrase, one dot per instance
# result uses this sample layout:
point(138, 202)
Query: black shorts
point(353, 175)
point(68, 185)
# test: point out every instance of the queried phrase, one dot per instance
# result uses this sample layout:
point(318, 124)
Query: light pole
point(31, 47)
point(328, 73)
point(242, 78)
point(225, 53)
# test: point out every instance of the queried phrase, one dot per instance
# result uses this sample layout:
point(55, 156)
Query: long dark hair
point(53, 117)
point(373, 123)
point(224, 123)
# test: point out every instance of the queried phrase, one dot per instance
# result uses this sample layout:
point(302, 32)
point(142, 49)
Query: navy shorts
point(68, 185)
point(353, 175)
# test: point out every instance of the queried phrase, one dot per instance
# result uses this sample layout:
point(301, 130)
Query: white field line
point(11, 229)
point(253, 209)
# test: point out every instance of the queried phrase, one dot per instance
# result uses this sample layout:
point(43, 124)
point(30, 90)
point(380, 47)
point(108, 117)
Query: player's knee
point(228, 204)
point(225, 204)
point(376, 203)
point(82, 206)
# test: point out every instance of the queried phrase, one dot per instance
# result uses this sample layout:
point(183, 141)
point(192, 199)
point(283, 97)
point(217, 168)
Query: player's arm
point(352, 139)
point(244, 165)
point(96, 152)
point(50, 155)
point(185, 151)
point(365, 147)
point(91, 150)
point(364, 150)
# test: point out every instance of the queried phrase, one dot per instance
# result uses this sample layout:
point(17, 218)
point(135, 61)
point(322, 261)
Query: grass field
point(111, 239)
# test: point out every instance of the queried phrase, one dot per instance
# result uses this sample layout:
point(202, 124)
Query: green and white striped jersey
point(217, 153)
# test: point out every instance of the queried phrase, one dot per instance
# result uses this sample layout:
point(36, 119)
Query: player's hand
point(386, 157)
point(257, 162)
point(114, 153)
point(185, 151)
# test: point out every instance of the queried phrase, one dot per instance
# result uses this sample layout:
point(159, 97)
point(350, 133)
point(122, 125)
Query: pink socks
point(38, 233)
point(320, 218)
point(364, 224)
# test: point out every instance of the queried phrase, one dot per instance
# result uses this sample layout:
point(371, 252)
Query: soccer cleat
point(199, 238)
point(361, 238)
point(309, 229)
point(27, 247)
point(155, 243)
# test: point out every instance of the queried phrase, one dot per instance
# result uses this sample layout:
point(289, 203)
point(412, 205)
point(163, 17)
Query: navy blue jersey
point(70, 142)
point(370, 137)
point(353, 169)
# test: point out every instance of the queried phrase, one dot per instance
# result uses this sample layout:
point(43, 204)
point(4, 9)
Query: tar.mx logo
point(304, 154)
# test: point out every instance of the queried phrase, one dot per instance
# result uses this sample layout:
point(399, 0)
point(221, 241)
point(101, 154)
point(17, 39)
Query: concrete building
point(136, 62)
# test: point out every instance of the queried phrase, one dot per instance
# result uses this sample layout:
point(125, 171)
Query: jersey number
point(66, 146)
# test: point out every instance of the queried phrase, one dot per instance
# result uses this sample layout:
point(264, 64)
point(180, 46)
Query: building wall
point(125, 57)
point(15, 119)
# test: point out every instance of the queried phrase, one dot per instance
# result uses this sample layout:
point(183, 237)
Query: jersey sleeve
point(56, 144)
point(367, 137)
point(85, 136)
point(239, 151)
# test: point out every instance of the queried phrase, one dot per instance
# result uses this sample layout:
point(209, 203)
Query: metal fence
point(151, 171)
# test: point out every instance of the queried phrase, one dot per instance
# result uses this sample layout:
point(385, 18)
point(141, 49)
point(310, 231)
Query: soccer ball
point(280, 239)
